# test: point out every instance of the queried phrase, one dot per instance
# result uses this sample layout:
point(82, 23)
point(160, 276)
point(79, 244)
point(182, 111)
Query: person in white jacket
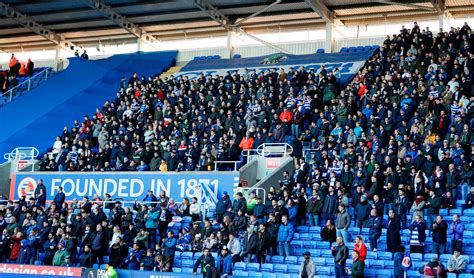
point(195, 210)
point(307, 268)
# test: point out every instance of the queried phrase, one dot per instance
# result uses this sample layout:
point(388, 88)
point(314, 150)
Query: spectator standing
point(398, 271)
point(360, 247)
point(151, 224)
point(169, 246)
point(222, 206)
point(362, 212)
point(418, 235)
point(285, 235)
point(434, 204)
point(440, 228)
point(314, 208)
point(60, 255)
point(457, 263)
point(307, 267)
point(59, 197)
point(375, 225)
point(39, 186)
point(205, 259)
point(343, 221)
point(340, 253)
point(263, 243)
point(456, 230)
point(357, 270)
point(134, 258)
point(401, 208)
point(393, 232)
point(224, 262)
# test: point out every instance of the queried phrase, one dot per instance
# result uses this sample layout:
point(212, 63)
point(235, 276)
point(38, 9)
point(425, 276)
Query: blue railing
point(26, 86)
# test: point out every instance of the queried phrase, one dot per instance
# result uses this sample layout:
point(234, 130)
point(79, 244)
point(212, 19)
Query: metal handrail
point(266, 149)
point(22, 153)
point(226, 162)
point(27, 84)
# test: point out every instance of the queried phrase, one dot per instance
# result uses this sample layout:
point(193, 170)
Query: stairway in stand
point(171, 71)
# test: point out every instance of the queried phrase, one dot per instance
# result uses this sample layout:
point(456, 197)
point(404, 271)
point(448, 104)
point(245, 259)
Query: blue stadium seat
point(326, 253)
point(370, 273)
point(384, 255)
point(236, 56)
point(376, 264)
point(253, 267)
point(102, 267)
point(468, 234)
point(322, 245)
point(95, 266)
point(38, 262)
point(417, 257)
point(445, 258)
point(302, 229)
point(388, 264)
point(280, 268)
point(186, 263)
point(309, 244)
point(241, 273)
point(41, 256)
point(187, 270)
point(187, 255)
point(239, 266)
point(255, 274)
point(296, 243)
point(305, 237)
point(291, 260)
point(443, 212)
point(294, 268)
point(384, 273)
point(267, 267)
point(315, 253)
point(452, 275)
point(465, 275)
point(320, 50)
point(428, 256)
point(269, 275)
point(315, 229)
point(106, 259)
point(177, 262)
point(413, 274)
point(343, 50)
point(277, 259)
point(319, 261)
point(455, 211)
point(316, 236)
point(371, 255)
point(177, 269)
point(323, 270)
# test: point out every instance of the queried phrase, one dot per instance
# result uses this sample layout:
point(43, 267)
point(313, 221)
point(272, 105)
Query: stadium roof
point(45, 23)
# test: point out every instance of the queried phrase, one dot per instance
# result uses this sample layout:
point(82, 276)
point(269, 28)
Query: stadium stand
point(386, 160)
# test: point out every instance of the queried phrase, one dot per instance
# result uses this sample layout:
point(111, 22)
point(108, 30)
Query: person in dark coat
point(86, 257)
point(394, 239)
point(205, 259)
point(249, 246)
point(263, 243)
point(375, 225)
point(398, 271)
point(328, 233)
point(440, 237)
point(418, 235)
point(223, 205)
point(50, 248)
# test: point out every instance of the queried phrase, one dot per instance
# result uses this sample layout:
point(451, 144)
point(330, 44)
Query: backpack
point(433, 272)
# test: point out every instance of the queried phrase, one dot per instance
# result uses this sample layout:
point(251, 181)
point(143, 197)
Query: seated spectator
point(457, 263)
point(224, 262)
point(433, 269)
point(328, 232)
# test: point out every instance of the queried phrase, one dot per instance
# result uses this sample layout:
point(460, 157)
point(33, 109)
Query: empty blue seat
point(322, 245)
point(38, 262)
point(239, 266)
point(177, 269)
point(277, 259)
point(187, 263)
point(323, 270)
point(187, 270)
point(388, 264)
point(315, 253)
point(309, 244)
point(241, 273)
point(443, 212)
point(269, 275)
point(376, 264)
point(102, 266)
point(384, 273)
point(326, 253)
point(371, 255)
point(187, 255)
point(416, 257)
point(429, 256)
point(296, 243)
point(413, 274)
point(280, 268)
point(295, 269)
point(267, 267)
point(343, 50)
point(455, 211)
point(301, 229)
point(452, 275)
point(384, 255)
point(306, 237)
point(314, 229)
point(320, 50)
point(236, 56)
point(291, 260)
point(253, 267)
point(319, 261)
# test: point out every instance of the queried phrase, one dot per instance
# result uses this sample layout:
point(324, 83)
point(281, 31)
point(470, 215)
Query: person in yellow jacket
point(110, 272)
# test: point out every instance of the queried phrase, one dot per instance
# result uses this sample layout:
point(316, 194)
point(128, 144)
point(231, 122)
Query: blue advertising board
point(347, 63)
point(128, 186)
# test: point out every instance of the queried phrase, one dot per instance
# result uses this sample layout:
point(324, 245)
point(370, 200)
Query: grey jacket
point(343, 220)
point(310, 269)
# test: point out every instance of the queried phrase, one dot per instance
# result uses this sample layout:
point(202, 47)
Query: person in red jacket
point(360, 247)
point(362, 90)
point(16, 238)
point(246, 143)
point(285, 116)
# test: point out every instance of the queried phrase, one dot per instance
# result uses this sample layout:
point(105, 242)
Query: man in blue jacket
point(285, 235)
point(169, 244)
point(134, 258)
point(150, 198)
point(375, 226)
point(60, 197)
point(151, 224)
point(223, 205)
point(224, 262)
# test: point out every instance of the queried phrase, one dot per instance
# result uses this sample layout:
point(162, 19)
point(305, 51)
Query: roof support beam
point(121, 21)
point(35, 27)
point(439, 5)
point(321, 9)
point(227, 24)
point(238, 22)
point(411, 5)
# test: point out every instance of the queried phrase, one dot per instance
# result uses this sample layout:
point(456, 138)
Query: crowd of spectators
point(8, 78)
point(397, 140)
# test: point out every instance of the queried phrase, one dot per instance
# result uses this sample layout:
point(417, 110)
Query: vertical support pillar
point(139, 45)
point(230, 46)
point(329, 42)
point(57, 57)
point(441, 18)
